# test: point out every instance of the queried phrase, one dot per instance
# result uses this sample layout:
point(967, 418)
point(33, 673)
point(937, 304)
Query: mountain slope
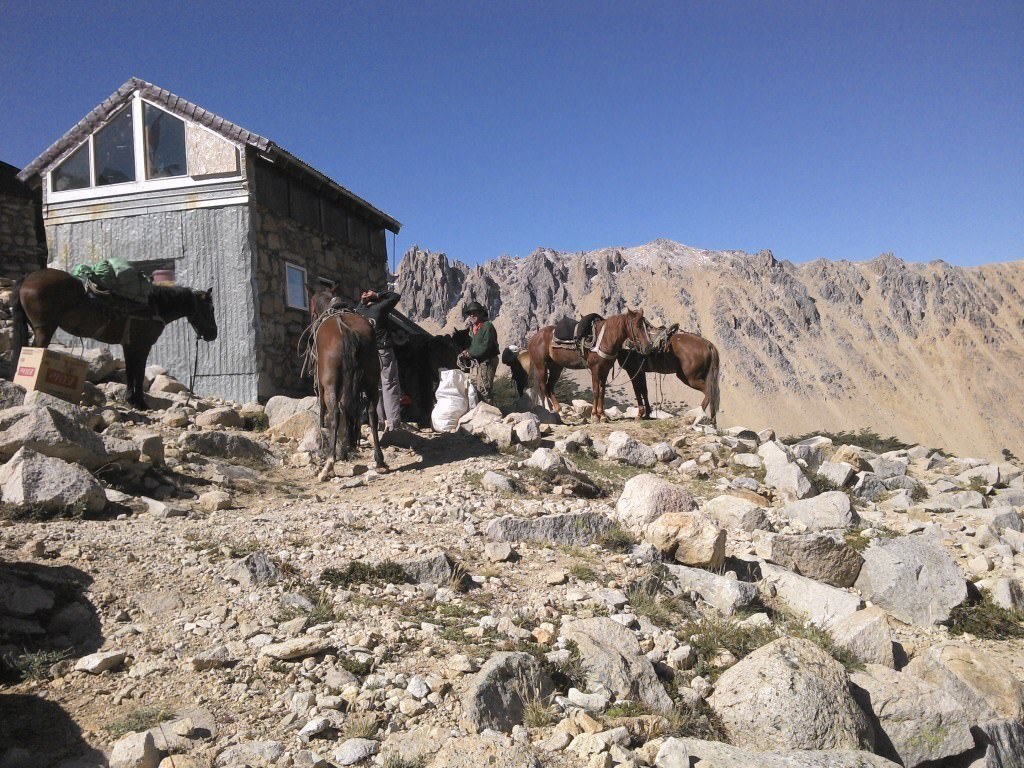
point(929, 352)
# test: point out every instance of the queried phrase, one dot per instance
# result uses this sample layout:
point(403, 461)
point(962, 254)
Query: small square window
point(73, 173)
point(295, 286)
point(165, 143)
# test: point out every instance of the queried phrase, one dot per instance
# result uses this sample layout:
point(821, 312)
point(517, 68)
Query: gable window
point(165, 143)
point(114, 150)
point(295, 286)
point(73, 173)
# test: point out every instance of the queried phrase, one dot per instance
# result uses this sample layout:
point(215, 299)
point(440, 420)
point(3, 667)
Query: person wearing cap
point(376, 307)
point(483, 350)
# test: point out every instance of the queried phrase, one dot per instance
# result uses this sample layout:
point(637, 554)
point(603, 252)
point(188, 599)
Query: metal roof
point(189, 111)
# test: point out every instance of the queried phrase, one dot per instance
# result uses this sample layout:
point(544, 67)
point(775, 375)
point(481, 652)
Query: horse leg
point(371, 412)
point(329, 412)
point(598, 376)
point(553, 373)
point(135, 358)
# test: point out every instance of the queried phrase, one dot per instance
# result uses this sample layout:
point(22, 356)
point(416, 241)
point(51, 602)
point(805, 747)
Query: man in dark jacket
point(376, 307)
point(483, 350)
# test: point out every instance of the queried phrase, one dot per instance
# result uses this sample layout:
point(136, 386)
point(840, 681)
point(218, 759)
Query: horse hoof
point(382, 469)
point(326, 472)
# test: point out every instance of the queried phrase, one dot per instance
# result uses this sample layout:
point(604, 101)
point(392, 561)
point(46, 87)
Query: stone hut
point(193, 198)
point(22, 241)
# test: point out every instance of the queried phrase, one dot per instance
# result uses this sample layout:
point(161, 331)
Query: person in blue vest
point(376, 307)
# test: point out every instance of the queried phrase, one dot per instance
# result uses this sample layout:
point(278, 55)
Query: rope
point(195, 370)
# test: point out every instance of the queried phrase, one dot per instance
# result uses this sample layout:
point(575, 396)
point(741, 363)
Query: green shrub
point(986, 620)
point(358, 572)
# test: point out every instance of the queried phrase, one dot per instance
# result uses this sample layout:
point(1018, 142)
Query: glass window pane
point(73, 173)
point(165, 143)
point(296, 279)
point(114, 150)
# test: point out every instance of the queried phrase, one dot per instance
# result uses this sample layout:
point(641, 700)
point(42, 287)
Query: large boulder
point(280, 408)
point(789, 694)
point(914, 578)
point(682, 752)
point(726, 595)
point(915, 720)
point(820, 604)
point(691, 538)
point(226, 445)
point(645, 498)
point(817, 556)
point(611, 656)
point(38, 483)
point(500, 692)
point(573, 528)
point(627, 450)
point(866, 635)
point(735, 512)
point(828, 511)
point(982, 682)
point(50, 432)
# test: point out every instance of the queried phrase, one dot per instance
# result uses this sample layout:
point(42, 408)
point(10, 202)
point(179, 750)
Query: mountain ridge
point(929, 351)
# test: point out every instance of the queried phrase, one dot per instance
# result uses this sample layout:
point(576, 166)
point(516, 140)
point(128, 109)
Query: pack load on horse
point(693, 360)
point(50, 299)
point(547, 356)
point(341, 352)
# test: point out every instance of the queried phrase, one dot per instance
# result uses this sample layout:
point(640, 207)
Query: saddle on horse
point(571, 334)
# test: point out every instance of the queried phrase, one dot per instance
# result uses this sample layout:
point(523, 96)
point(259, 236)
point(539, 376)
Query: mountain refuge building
point(191, 197)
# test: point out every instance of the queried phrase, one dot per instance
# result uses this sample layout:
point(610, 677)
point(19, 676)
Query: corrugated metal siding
point(211, 248)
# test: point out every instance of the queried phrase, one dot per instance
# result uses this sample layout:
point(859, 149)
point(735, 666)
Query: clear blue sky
point(816, 129)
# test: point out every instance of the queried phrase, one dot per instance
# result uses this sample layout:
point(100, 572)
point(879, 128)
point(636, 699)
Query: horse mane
point(166, 297)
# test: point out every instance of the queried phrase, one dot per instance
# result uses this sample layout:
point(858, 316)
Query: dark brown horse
point(48, 299)
point(547, 360)
point(347, 373)
point(694, 361)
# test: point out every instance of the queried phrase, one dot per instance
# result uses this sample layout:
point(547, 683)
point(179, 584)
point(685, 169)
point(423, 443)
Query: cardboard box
point(52, 372)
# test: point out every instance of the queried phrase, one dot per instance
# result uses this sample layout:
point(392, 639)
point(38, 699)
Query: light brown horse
point(48, 299)
point(694, 361)
point(347, 372)
point(548, 360)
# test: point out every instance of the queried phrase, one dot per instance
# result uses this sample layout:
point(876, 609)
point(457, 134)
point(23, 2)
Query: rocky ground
point(178, 586)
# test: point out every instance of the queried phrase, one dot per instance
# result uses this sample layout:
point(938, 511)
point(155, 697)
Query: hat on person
point(474, 307)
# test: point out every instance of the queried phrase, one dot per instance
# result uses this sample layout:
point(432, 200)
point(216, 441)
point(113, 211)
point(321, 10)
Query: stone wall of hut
point(280, 240)
point(20, 248)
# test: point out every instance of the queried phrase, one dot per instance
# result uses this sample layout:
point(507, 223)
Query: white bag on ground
point(452, 400)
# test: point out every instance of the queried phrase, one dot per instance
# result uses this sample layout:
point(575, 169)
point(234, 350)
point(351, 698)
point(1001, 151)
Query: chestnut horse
point(694, 361)
point(347, 371)
point(548, 360)
point(48, 299)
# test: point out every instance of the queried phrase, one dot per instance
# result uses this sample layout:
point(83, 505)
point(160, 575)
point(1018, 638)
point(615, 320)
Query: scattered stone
point(866, 635)
point(627, 450)
point(41, 484)
point(680, 753)
point(734, 512)
point(254, 569)
point(981, 682)
point(101, 661)
point(691, 538)
point(355, 751)
point(914, 578)
point(819, 603)
point(493, 481)
point(645, 498)
point(789, 694)
point(918, 720)
point(571, 529)
point(726, 595)
point(612, 657)
point(296, 648)
point(498, 695)
point(828, 511)
point(135, 750)
point(818, 557)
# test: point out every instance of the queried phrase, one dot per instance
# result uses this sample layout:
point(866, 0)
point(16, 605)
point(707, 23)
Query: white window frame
point(141, 183)
point(305, 286)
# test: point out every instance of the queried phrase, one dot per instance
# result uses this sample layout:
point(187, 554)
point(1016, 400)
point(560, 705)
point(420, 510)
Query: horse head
point(638, 331)
point(201, 317)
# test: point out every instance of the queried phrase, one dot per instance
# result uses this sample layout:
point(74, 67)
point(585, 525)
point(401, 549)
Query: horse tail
point(713, 392)
point(351, 384)
point(20, 327)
